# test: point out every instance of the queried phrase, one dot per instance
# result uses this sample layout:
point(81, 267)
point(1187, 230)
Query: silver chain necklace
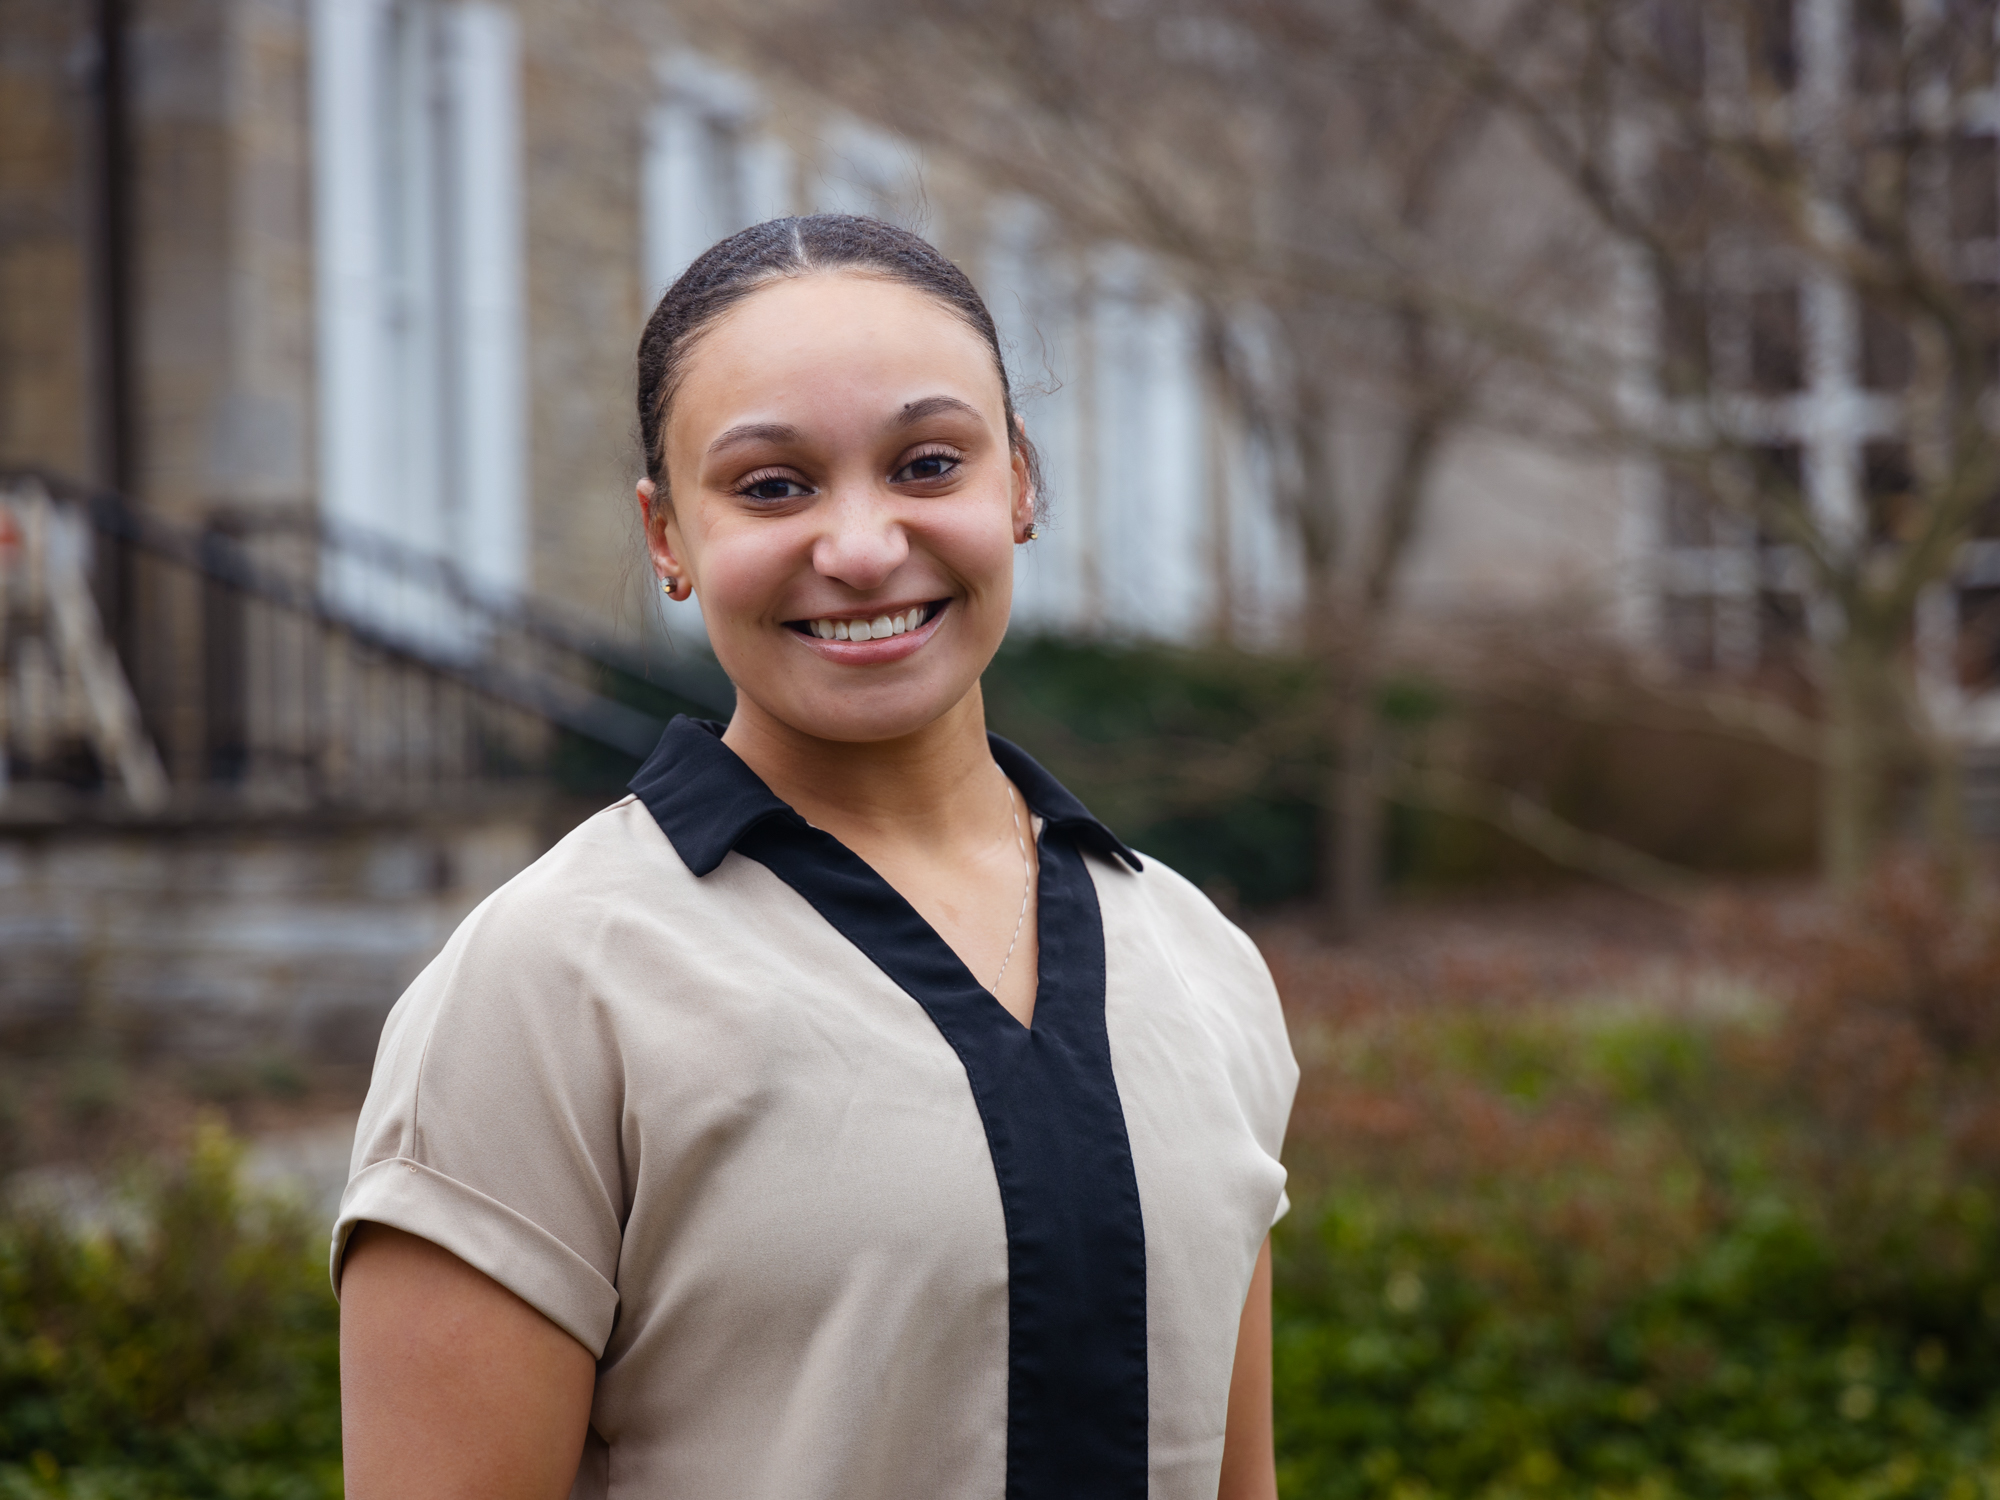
point(1027, 879)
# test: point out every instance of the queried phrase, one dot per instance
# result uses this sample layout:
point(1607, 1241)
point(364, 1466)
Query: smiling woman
point(847, 1112)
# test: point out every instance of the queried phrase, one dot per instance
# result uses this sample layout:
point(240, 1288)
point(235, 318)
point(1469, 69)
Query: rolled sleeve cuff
point(488, 1236)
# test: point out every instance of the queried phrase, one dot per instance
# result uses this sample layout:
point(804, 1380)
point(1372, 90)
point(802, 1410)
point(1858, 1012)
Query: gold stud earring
point(668, 585)
point(1034, 532)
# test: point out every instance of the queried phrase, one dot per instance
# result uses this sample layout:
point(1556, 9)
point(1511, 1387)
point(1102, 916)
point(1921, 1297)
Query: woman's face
point(838, 466)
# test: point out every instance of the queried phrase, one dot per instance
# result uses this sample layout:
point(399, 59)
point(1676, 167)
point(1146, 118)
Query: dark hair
point(730, 270)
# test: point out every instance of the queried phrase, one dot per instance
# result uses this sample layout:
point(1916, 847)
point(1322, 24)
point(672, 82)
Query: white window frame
point(421, 314)
point(711, 166)
point(1831, 421)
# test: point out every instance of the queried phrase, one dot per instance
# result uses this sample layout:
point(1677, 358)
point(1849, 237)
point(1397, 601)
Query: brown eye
point(925, 466)
point(774, 488)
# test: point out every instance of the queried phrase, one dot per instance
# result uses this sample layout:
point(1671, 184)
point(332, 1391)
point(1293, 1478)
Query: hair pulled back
point(731, 269)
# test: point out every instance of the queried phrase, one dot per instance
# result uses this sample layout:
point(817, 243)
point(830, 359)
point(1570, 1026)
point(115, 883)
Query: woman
point(847, 1112)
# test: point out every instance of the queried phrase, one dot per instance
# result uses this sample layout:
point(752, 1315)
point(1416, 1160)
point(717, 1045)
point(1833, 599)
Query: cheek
point(742, 571)
point(975, 541)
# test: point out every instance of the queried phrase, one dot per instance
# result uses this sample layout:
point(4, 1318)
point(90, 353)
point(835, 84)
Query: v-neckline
point(1039, 823)
point(1046, 1094)
point(889, 894)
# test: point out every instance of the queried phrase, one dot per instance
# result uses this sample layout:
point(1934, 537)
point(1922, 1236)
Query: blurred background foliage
point(1742, 1243)
point(184, 1345)
point(1216, 760)
point(1733, 1234)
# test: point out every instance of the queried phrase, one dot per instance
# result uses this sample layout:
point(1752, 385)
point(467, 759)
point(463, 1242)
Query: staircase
point(251, 774)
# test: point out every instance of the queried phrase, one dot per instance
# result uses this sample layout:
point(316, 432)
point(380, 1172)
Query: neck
point(930, 787)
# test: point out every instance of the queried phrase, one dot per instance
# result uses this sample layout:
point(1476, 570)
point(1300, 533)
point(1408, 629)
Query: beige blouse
point(703, 1089)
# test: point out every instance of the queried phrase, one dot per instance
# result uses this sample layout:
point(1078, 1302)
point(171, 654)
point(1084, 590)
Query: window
point(1979, 638)
point(1774, 57)
point(1981, 311)
point(1690, 514)
point(710, 168)
point(867, 171)
point(1886, 352)
point(417, 183)
point(1964, 38)
point(1839, 374)
point(1777, 364)
point(1987, 526)
point(1776, 473)
point(1684, 353)
point(1877, 48)
point(1974, 188)
point(1888, 488)
point(1680, 44)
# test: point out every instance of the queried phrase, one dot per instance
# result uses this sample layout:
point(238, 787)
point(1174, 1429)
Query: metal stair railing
point(282, 659)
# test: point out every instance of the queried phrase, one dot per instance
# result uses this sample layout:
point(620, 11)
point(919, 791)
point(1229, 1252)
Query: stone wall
point(46, 334)
point(205, 940)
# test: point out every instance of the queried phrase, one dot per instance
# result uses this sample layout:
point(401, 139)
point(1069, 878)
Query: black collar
point(705, 798)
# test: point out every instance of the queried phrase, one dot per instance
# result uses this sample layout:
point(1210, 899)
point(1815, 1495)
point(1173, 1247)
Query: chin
point(859, 723)
point(865, 715)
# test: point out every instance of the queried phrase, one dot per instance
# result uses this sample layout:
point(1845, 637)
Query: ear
point(663, 538)
point(1024, 496)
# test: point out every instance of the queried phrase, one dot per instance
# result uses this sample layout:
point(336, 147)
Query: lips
point(841, 639)
point(878, 627)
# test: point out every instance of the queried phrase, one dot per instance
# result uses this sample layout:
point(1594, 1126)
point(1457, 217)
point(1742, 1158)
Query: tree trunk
point(1944, 817)
point(1855, 798)
point(1357, 830)
point(1941, 758)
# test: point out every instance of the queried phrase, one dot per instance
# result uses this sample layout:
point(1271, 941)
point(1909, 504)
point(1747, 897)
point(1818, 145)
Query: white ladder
point(59, 677)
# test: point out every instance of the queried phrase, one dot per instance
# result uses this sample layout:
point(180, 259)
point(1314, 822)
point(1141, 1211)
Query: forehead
point(833, 339)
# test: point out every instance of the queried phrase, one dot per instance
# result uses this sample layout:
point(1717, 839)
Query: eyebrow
point(755, 432)
point(931, 406)
point(780, 432)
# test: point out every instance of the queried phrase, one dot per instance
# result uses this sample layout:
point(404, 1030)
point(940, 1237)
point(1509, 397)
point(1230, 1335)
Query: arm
point(1249, 1466)
point(451, 1387)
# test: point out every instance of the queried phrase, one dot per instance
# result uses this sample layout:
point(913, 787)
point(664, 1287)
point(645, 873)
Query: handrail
point(702, 683)
point(539, 626)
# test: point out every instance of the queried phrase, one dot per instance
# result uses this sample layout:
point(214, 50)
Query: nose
point(863, 542)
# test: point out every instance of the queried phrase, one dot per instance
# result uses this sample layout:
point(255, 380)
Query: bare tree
point(1295, 166)
point(1805, 198)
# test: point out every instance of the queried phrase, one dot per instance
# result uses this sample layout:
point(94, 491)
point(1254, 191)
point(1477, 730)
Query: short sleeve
point(492, 1124)
point(1262, 1064)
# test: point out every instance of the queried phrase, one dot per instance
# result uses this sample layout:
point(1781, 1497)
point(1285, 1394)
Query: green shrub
point(1217, 761)
point(1404, 1368)
point(1654, 1249)
point(1207, 759)
point(191, 1350)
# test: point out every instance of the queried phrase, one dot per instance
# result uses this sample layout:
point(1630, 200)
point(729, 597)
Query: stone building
point(327, 289)
point(385, 261)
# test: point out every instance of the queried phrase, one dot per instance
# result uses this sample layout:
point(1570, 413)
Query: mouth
point(867, 640)
point(880, 626)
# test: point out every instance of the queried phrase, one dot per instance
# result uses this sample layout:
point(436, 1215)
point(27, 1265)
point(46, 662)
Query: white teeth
point(878, 629)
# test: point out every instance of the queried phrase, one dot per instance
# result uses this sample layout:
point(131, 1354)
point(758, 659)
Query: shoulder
point(1168, 938)
point(1188, 994)
point(1184, 918)
point(614, 855)
point(613, 866)
point(535, 947)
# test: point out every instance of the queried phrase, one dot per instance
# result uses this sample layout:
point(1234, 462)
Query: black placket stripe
point(1076, 1246)
point(1077, 1403)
